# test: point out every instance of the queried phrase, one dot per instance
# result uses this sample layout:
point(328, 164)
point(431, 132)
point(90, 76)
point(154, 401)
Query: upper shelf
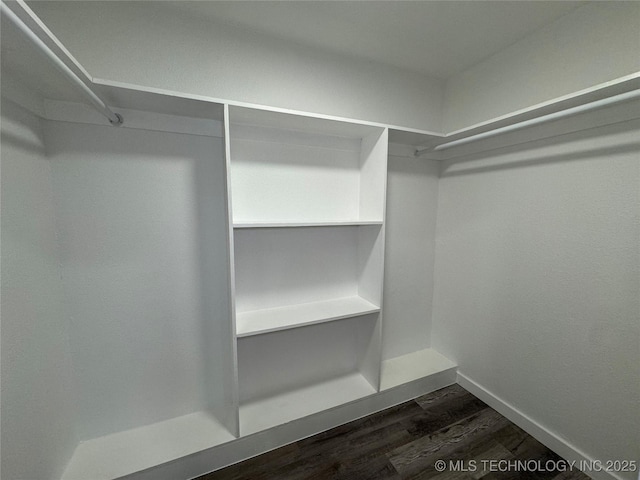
point(28, 70)
point(601, 91)
point(618, 97)
point(289, 170)
point(30, 80)
point(298, 122)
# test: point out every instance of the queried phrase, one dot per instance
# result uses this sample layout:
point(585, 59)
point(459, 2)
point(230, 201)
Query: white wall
point(537, 279)
point(38, 434)
point(591, 45)
point(169, 49)
point(412, 196)
point(142, 230)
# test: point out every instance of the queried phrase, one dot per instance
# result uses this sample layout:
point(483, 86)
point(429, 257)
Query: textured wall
point(591, 45)
point(142, 235)
point(37, 392)
point(171, 50)
point(412, 195)
point(537, 281)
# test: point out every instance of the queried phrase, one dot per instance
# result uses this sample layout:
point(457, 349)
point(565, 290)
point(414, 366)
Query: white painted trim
point(538, 120)
point(573, 99)
point(73, 112)
point(541, 433)
point(233, 103)
point(231, 272)
point(587, 92)
point(617, 85)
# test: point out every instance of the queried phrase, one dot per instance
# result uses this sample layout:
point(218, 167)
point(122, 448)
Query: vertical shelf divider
point(235, 397)
point(373, 184)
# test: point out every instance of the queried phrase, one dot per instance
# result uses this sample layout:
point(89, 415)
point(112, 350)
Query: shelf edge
point(251, 333)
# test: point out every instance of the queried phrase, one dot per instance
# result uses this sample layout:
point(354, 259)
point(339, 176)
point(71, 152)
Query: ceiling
point(435, 38)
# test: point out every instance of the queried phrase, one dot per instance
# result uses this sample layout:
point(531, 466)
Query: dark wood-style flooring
point(404, 442)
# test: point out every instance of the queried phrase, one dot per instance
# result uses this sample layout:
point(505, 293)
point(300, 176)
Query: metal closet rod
point(622, 97)
point(114, 118)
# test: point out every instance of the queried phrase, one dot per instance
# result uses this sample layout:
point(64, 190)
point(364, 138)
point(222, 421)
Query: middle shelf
point(279, 318)
point(287, 278)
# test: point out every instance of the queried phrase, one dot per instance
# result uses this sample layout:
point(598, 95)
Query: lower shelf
point(413, 366)
point(268, 412)
point(123, 453)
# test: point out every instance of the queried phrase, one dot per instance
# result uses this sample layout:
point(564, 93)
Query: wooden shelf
point(413, 366)
point(124, 453)
point(345, 223)
point(269, 412)
point(267, 320)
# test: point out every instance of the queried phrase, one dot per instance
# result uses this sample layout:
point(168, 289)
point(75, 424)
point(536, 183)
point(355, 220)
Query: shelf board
point(611, 88)
point(269, 412)
point(300, 122)
point(413, 366)
point(267, 320)
point(124, 453)
point(345, 223)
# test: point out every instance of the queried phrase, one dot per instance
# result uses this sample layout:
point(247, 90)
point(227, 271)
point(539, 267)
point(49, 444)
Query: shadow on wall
point(20, 130)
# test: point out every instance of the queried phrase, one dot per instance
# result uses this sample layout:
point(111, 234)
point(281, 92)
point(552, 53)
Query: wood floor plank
point(444, 395)
point(376, 468)
point(511, 436)
point(574, 474)
point(374, 443)
point(468, 457)
point(444, 414)
point(532, 451)
point(420, 454)
point(471, 457)
point(364, 425)
point(403, 443)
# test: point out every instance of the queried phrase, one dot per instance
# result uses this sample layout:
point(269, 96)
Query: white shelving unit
point(308, 201)
point(222, 270)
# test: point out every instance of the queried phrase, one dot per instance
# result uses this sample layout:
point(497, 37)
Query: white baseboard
point(542, 434)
